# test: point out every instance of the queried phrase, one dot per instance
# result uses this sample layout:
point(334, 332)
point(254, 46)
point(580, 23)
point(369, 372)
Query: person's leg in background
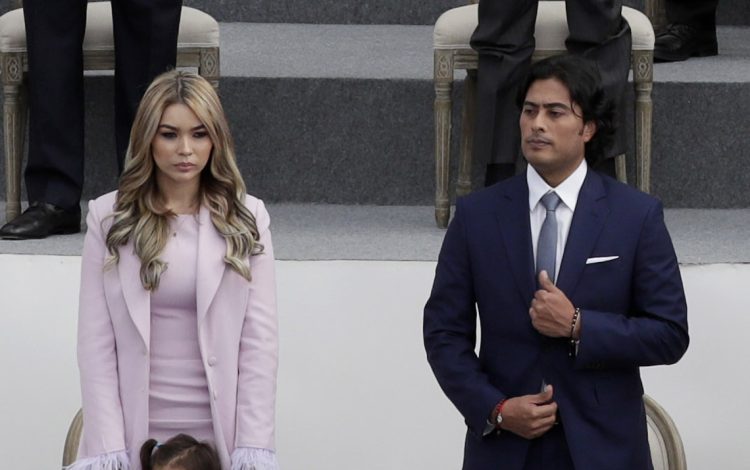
point(145, 33)
point(504, 40)
point(691, 31)
point(599, 32)
point(54, 171)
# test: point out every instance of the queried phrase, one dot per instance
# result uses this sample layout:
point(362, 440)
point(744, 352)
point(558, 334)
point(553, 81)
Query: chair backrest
point(70, 451)
point(667, 452)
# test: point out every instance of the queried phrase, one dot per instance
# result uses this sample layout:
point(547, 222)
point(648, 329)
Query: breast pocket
point(605, 286)
point(611, 262)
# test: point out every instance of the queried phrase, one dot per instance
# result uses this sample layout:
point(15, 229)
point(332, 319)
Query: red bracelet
point(498, 410)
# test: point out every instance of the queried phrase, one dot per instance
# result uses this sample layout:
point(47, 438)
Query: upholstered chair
point(452, 52)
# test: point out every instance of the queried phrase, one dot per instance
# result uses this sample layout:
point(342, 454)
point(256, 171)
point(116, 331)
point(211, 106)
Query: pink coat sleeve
point(258, 357)
point(97, 358)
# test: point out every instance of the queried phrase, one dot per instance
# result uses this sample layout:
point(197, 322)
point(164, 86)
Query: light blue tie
point(546, 247)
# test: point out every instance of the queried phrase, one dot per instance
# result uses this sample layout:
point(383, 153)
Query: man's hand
point(551, 312)
point(530, 416)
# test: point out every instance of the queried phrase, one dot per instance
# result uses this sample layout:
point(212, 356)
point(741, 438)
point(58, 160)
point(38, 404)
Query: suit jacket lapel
point(211, 252)
point(137, 299)
point(588, 221)
point(512, 215)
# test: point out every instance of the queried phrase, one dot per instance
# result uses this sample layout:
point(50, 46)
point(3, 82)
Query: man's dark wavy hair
point(582, 79)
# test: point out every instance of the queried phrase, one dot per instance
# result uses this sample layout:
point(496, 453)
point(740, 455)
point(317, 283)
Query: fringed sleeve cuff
point(109, 461)
point(253, 458)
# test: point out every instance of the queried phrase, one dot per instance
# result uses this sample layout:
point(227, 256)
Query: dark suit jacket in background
point(633, 314)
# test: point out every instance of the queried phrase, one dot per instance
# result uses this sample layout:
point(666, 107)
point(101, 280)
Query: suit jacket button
point(212, 361)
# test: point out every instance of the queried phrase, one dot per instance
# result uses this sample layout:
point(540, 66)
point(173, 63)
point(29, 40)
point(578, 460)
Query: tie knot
point(551, 200)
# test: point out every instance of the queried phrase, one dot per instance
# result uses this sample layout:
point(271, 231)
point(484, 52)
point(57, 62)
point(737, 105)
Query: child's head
point(181, 452)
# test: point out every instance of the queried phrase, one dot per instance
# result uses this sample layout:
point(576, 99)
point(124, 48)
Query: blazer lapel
point(211, 251)
point(588, 221)
point(137, 299)
point(512, 215)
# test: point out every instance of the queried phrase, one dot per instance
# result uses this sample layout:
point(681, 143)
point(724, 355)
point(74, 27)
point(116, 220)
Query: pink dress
point(178, 398)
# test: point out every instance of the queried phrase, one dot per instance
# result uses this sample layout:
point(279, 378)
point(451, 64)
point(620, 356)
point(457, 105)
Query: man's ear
point(588, 131)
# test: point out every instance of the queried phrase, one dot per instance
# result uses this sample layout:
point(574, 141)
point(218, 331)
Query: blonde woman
point(177, 328)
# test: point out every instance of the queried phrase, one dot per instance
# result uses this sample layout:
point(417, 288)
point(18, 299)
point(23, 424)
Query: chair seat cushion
point(197, 29)
point(454, 28)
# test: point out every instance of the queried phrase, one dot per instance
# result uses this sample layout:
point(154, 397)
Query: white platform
point(355, 390)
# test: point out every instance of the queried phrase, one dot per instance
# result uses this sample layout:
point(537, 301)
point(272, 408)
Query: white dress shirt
point(568, 192)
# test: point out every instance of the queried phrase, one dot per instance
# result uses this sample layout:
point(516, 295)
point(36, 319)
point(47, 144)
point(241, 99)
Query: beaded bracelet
point(574, 342)
point(576, 314)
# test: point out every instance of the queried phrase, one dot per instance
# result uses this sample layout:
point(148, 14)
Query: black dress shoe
point(497, 172)
point(41, 220)
point(681, 41)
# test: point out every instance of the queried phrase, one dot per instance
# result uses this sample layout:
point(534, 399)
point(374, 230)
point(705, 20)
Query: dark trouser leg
point(504, 39)
point(145, 33)
point(691, 31)
point(598, 32)
point(54, 35)
point(700, 14)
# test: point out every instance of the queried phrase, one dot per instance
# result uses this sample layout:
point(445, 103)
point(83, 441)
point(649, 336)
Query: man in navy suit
point(569, 307)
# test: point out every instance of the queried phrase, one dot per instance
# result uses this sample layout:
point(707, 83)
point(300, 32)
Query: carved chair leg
point(467, 133)
point(14, 126)
point(643, 77)
point(621, 170)
point(209, 67)
point(443, 88)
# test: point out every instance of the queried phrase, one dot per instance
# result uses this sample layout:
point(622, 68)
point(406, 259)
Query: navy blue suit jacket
point(633, 314)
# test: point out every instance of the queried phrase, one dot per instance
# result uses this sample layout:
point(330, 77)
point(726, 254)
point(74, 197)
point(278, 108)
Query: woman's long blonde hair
point(139, 212)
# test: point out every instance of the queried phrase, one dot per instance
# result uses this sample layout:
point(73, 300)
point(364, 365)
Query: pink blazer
point(237, 330)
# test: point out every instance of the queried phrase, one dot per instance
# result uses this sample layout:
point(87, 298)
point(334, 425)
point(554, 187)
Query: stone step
point(316, 232)
point(343, 114)
point(405, 12)
point(733, 12)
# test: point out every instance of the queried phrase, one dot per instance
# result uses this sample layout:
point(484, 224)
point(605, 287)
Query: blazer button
point(212, 361)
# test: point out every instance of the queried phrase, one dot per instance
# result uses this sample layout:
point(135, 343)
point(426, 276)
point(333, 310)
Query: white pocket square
point(600, 259)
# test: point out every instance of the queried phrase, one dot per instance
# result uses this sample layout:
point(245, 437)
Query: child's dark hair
point(181, 450)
